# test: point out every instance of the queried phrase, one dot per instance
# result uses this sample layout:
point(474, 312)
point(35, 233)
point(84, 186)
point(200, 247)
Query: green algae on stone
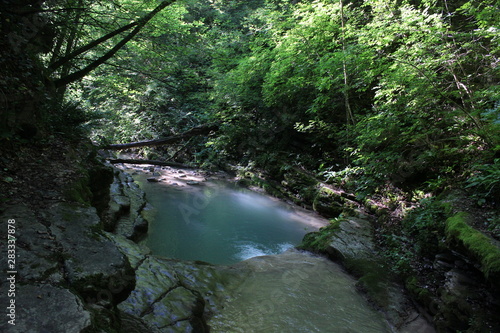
point(319, 241)
point(478, 244)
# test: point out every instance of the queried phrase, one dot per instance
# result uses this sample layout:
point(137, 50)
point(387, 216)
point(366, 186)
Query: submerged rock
point(295, 292)
point(153, 180)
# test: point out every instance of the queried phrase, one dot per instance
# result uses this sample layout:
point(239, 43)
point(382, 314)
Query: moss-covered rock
point(328, 203)
point(350, 241)
point(475, 244)
point(319, 241)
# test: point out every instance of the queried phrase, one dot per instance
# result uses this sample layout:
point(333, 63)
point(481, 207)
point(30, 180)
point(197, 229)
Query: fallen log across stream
point(199, 130)
point(153, 162)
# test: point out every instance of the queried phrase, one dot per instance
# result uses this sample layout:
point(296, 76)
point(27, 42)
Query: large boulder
point(170, 295)
point(46, 309)
point(350, 241)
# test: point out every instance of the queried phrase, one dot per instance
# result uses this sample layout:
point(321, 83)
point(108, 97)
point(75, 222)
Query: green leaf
point(8, 179)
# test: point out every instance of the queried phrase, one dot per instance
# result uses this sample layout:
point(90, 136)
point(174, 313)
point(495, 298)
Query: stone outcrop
point(327, 203)
point(67, 271)
point(74, 277)
point(93, 263)
point(330, 202)
point(351, 242)
point(170, 295)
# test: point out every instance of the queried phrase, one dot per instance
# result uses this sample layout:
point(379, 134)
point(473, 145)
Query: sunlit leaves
point(418, 83)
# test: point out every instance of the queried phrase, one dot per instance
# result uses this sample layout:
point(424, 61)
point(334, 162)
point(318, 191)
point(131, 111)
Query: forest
point(395, 103)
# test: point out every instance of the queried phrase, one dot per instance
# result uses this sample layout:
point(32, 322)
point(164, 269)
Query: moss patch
point(414, 288)
point(79, 191)
point(373, 279)
point(476, 243)
point(319, 241)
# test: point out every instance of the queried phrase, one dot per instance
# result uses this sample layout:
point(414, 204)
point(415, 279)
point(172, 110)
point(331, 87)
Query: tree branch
point(61, 61)
point(89, 68)
point(200, 130)
point(154, 162)
point(149, 75)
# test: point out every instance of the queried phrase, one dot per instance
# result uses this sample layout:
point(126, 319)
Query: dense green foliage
point(389, 102)
point(406, 91)
point(367, 95)
point(361, 93)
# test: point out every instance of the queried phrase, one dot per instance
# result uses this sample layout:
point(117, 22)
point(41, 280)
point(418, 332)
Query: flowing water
point(220, 223)
point(296, 292)
point(281, 289)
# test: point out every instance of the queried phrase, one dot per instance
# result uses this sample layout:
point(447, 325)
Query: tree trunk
point(349, 114)
point(93, 65)
point(153, 162)
point(200, 130)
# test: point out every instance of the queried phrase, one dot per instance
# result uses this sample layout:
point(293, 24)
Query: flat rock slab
point(36, 248)
point(46, 309)
point(353, 240)
point(354, 247)
point(170, 295)
point(93, 263)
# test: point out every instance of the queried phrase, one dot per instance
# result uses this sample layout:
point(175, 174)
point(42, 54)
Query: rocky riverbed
point(79, 269)
point(76, 266)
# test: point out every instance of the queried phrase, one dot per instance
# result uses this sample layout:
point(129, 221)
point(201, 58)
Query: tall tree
point(78, 74)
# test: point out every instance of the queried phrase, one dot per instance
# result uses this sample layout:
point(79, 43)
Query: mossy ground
point(79, 191)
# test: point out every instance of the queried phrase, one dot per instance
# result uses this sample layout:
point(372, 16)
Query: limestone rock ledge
point(350, 242)
point(128, 210)
point(170, 295)
point(48, 308)
point(69, 276)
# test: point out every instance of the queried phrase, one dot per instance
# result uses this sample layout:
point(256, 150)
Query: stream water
point(221, 223)
point(281, 289)
point(296, 292)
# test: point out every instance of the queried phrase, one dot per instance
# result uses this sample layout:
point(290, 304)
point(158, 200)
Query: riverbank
point(76, 218)
point(439, 251)
point(397, 306)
